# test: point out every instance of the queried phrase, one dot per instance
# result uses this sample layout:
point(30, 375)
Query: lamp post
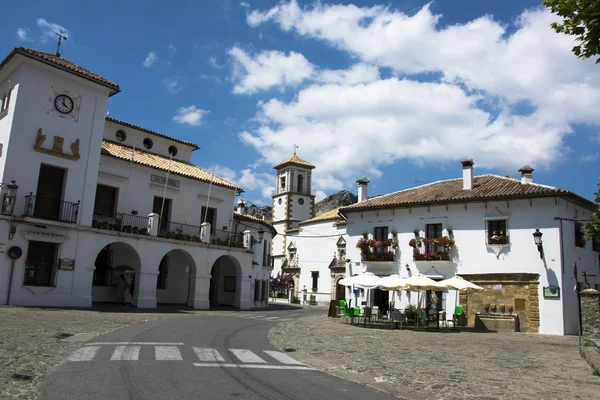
point(8, 202)
point(537, 238)
point(261, 235)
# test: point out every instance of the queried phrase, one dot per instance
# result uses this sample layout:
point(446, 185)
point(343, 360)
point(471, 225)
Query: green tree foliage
point(581, 18)
point(592, 229)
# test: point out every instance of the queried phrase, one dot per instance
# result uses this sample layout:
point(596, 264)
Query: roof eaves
point(139, 128)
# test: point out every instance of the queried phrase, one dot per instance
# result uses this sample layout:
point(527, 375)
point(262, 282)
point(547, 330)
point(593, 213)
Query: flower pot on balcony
point(135, 230)
point(143, 231)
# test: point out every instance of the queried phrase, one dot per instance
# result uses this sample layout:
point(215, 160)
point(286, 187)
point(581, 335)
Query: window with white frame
point(497, 231)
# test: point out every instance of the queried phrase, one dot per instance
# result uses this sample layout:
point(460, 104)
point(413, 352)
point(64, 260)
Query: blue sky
point(399, 92)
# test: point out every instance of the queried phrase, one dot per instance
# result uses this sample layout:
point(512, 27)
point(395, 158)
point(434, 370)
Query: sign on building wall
point(161, 180)
point(67, 264)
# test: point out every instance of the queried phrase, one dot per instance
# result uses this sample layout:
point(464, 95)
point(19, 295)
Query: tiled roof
point(139, 128)
point(61, 63)
point(116, 150)
point(294, 160)
point(485, 187)
point(329, 215)
point(251, 218)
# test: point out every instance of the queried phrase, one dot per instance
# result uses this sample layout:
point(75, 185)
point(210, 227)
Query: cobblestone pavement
point(442, 365)
point(28, 344)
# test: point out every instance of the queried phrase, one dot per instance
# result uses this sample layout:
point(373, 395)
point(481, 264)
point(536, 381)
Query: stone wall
point(518, 294)
point(590, 315)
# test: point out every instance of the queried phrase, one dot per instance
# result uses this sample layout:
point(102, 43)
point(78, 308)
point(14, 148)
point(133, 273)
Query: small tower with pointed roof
point(293, 200)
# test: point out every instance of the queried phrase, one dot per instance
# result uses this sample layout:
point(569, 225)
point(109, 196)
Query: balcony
point(51, 209)
point(122, 222)
point(227, 238)
point(181, 231)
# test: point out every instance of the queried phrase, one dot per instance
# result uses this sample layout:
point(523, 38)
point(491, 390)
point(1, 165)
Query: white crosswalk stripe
point(84, 353)
point(282, 358)
point(131, 353)
point(208, 354)
point(247, 356)
point(167, 353)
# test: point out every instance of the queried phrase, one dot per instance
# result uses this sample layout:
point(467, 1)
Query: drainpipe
point(12, 269)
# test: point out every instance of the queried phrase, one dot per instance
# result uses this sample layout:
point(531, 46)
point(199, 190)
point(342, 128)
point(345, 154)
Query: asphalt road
point(225, 356)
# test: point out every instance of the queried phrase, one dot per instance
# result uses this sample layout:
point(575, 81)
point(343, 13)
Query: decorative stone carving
point(45, 237)
point(112, 177)
point(57, 147)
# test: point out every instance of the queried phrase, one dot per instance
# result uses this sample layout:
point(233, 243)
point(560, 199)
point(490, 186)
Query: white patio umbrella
point(420, 282)
point(393, 283)
point(459, 284)
point(367, 280)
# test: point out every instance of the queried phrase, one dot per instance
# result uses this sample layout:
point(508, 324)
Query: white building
point(492, 220)
point(87, 198)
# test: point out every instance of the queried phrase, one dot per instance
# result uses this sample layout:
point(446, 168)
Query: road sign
point(15, 252)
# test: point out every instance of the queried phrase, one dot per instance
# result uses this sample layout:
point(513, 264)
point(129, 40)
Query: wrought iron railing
point(40, 273)
point(181, 231)
point(46, 208)
point(227, 238)
point(122, 222)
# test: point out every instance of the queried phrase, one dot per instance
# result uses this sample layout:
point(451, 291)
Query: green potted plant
point(394, 233)
point(135, 230)
point(365, 234)
point(410, 311)
point(416, 232)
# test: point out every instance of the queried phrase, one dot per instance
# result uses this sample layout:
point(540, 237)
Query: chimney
point(363, 190)
point(468, 173)
point(241, 207)
point(526, 174)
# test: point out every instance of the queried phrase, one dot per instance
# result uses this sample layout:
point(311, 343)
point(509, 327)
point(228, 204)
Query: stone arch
point(340, 290)
point(225, 282)
point(111, 261)
point(176, 280)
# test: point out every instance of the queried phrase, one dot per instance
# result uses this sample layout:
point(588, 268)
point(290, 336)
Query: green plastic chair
point(342, 304)
point(347, 313)
point(458, 312)
point(367, 314)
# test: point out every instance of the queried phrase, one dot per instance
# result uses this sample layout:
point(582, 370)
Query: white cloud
point(173, 84)
point(223, 172)
point(23, 34)
point(251, 180)
point(50, 29)
point(244, 4)
point(230, 121)
point(593, 157)
point(211, 78)
point(359, 73)
point(212, 61)
point(351, 122)
point(268, 69)
point(189, 115)
point(171, 49)
point(151, 58)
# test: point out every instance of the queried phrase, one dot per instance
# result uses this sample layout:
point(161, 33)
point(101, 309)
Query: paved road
point(224, 356)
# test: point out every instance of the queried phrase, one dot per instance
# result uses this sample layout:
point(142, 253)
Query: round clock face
point(63, 103)
point(301, 201)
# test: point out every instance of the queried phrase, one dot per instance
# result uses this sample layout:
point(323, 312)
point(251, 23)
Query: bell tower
point(293, 201)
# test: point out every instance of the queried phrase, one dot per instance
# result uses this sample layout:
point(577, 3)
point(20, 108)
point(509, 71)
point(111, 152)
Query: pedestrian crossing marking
point(282, 358)
point(131, 353)
point(254, 366)
point(84, 353)
point(132, 344)
point(271, 318)
point(208, 354)
point(167, 353)
point(247, 356)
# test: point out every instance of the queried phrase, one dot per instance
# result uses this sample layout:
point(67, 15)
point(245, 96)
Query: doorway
point(340, 292)
point(49, 192)
point(164, 212)
point(105, 204)
point(381, 299)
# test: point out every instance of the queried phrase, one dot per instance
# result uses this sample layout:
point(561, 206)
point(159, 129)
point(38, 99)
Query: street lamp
point(261, 235)
point(8, 202)
point(537, 238)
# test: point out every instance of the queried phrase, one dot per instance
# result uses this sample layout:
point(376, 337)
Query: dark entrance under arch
point(225, 283)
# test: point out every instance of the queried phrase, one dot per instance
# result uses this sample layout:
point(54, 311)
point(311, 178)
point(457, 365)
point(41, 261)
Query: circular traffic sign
point(15, 252)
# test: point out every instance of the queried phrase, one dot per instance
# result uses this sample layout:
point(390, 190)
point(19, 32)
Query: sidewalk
point(442, 365)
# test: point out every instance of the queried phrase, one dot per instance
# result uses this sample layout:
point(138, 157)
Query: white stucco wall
point(33, 109)
point(472, 256)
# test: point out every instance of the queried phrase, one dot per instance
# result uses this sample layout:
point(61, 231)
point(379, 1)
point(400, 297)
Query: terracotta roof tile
point(116, 150)
point(485, 187)
point(329, 215)
point(61, 63)
point(294, 160)
point(116, 121)
point(252, 218)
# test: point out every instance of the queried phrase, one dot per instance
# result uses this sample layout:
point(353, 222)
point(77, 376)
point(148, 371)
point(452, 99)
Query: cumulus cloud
point(171, 49)
point(268, 69)
point(244, 4)
point(49, 30)
point(593, 157)
point(504, 94)
point(150, 59)
point(189, 115)
point(23, 34)
point(223, 172)
point(251, 180)
point(212, 61)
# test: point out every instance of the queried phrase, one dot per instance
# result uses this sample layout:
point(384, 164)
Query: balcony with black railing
point(121, 222)
point(51, 209)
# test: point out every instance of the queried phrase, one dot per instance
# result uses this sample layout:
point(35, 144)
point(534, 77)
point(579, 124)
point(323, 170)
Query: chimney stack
point(526, 174)
point(468, 173)
point(241, 207)
point(363, 190)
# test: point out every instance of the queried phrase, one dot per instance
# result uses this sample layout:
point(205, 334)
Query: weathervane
point(60, 37)
point(295, 147)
